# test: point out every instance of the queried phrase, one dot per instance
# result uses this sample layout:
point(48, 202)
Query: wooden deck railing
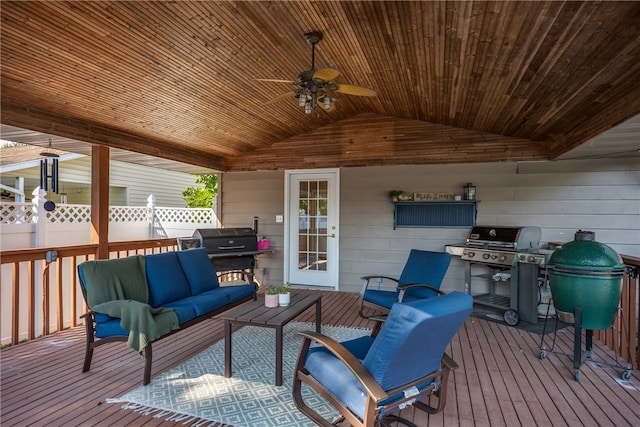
point(622, 337)
point(29, 280)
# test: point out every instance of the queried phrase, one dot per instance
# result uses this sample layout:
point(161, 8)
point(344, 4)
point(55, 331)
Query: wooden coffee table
point(256, 314)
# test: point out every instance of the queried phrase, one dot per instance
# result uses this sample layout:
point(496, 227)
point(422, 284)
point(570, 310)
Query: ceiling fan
point(317, 88)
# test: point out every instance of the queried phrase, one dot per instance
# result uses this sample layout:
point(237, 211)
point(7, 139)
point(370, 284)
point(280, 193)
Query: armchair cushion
point(371, 376)
point(421, 278)
point(402, 351)
point(337, 378)
point(424, 267)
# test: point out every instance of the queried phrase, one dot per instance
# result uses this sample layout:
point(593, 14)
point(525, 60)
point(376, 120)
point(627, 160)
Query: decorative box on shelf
point(432, 197)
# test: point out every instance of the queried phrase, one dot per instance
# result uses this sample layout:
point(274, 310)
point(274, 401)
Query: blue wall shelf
point(454, 214)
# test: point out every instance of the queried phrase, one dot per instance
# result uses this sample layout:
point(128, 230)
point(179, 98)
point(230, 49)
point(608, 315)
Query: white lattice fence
point(16, 213)
point(70, 214)
point(128, 222)
point(128, 214)
point(184, 215)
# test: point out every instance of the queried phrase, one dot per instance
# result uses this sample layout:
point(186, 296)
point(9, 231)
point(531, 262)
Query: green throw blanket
point(118, 288)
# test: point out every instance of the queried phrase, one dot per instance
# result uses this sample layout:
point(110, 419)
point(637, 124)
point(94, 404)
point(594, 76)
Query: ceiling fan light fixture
point(302, 99)
point(327, 102)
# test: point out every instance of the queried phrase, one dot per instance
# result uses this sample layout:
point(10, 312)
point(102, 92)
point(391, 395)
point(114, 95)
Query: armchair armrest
point(89, 314)
point(378, 277)
point(403, 289)
point(360, 372)
point(365, 286)
point(448, 362)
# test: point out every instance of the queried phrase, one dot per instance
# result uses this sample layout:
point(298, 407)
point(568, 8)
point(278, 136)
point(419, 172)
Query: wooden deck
point(500, 382)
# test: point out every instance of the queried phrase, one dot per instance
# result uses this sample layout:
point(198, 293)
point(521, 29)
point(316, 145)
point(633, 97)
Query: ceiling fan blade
point(280, 97)
point(353, 90)
point(326, 74)
point(276, 80)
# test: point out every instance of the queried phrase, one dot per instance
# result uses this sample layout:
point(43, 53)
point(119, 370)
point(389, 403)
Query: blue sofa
point(156, 295)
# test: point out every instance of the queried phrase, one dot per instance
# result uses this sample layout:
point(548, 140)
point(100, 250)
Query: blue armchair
point(368, 379)
point(421, 278)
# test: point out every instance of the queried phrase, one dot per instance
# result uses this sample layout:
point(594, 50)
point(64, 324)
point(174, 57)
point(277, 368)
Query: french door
point(311, 227)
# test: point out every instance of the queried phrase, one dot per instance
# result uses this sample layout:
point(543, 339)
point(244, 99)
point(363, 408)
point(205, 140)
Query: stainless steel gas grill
point(502, 270)
point(229, 249)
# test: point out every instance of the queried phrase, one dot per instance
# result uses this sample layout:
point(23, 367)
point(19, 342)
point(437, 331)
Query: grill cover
point(226, 240)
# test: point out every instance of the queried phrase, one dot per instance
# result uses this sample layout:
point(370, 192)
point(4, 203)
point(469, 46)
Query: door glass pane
point(312, 211)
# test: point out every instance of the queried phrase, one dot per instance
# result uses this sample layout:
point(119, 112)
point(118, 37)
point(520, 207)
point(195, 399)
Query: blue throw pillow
point(198, 269)
point(166, 280)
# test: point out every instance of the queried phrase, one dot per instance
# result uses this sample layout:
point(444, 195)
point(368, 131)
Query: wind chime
point(49, 170)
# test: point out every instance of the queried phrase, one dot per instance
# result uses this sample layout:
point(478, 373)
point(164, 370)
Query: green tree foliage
point(202, 197)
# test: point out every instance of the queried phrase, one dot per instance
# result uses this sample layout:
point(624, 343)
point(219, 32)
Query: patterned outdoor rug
point(197, 393)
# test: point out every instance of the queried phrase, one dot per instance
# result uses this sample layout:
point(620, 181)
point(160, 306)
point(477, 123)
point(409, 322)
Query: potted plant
point(393, 195)
point(263, 243)
point(271, 297)
point(284, 295)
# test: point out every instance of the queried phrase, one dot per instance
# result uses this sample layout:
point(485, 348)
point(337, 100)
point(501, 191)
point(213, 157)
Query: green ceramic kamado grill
point(585, 278)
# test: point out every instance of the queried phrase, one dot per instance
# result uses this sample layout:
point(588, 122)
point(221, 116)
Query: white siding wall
point(561, 197)
point(130, 184)
point(248, 194)
point(141, 181)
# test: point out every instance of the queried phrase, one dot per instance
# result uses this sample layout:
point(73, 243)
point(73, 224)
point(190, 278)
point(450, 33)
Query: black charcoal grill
point(229, 249)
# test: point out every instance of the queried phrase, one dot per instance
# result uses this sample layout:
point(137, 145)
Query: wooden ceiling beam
point(373, 140)
point(33, 118)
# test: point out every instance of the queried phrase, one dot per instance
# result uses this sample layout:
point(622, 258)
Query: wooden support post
point(100, 200)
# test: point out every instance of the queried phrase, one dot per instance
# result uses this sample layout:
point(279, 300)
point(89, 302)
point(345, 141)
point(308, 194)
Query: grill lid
point(520, 238)
point(586, 256)
point(227, 240)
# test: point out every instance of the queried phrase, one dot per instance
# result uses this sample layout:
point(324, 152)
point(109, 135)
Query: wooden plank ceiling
point(457, 81)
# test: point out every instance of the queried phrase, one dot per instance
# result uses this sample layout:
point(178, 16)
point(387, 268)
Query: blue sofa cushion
point(166, 279)
point(183, 309)
point(216, 298)
point(107, 326)
point(198, 269)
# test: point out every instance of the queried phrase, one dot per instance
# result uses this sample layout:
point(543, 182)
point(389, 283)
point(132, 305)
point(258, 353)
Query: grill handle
point(230, 248)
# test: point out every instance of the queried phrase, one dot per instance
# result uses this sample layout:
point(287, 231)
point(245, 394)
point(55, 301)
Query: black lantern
point(469, 192)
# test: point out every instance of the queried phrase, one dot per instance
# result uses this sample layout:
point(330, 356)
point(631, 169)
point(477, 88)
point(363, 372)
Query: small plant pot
point(271, 301)
point(284, 299)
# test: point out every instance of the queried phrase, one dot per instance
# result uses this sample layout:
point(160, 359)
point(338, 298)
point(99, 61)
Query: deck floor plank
point(500, 382)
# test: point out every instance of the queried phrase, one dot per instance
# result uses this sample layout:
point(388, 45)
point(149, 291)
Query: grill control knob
point(471, 254)
point(531, 258)
point(486, 256)
point(502, 258)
